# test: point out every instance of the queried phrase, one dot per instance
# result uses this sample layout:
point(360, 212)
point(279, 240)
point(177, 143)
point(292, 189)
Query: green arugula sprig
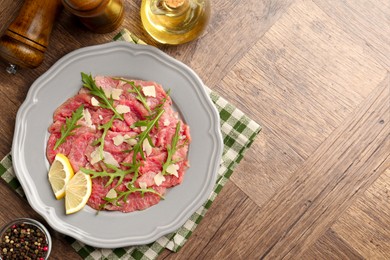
point(100, 140)
point(171, 149)
point(123, 195)
point(104, 101)
point(70, 125)
point(149, 124)
point(117, 173)
point(137, 90)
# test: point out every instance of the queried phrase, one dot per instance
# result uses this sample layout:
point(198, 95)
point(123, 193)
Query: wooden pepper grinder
point(26, 39)
point(100, 16)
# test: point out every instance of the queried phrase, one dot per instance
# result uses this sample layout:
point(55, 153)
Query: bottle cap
point(174, 3)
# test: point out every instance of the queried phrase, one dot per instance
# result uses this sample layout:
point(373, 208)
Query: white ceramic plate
point(63, 80)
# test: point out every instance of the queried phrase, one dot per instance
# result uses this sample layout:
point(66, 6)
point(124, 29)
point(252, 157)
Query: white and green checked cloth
point(238, 133)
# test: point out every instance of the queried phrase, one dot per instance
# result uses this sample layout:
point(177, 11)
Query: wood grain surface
point(316, 75)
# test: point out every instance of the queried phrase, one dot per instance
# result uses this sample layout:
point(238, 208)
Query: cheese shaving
point(122, 109)
point(172, 169)
point(147, 147)
point(113, 93)
point(111, 194)
point(131, 141)
point(107, 157)
point(118, 140)
point(142, 185)
point(159, 179)
point(95, 156)
point(94, 102)
point(116, 93)
point(88, 119)
point(149, 91)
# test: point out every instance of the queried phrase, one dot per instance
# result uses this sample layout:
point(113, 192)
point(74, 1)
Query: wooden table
point(315, 74)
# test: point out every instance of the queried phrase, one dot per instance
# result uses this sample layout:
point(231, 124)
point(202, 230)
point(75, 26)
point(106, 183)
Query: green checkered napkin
point(238, 133)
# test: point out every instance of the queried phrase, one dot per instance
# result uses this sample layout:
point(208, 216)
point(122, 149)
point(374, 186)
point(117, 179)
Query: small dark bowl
point(25, 235)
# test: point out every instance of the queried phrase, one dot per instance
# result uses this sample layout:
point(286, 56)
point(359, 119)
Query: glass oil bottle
point(175, 21)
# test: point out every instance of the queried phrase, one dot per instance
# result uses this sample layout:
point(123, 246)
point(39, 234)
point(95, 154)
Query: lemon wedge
point(60, 173)
point(77, 192)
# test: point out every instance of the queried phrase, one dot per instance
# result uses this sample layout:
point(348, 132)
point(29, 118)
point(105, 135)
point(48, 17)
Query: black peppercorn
point(23, 240)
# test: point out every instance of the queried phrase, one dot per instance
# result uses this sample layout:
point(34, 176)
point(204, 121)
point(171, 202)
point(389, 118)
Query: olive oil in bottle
point(175, 21)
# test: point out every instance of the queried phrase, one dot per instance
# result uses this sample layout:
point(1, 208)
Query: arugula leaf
point(171, 149)
point(137, 90)
point(145, 135)
point(117, 173)
point(105, 102)
point(100, 140)
point(70, 125)
point(123, 195)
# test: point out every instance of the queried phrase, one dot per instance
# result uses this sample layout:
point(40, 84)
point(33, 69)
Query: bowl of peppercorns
point(24, 238)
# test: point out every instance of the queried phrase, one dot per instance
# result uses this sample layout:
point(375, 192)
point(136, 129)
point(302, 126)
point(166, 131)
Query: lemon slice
point(77, 192)
point(60, 173)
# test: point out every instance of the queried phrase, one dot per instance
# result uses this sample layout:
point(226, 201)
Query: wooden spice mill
point(25, 41)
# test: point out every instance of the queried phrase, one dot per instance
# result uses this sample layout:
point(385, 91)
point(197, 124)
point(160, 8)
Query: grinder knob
point(26, 39)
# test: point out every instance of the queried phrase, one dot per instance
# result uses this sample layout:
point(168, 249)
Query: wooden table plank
point(331, 246)
point(363, 19)
point(366, 224)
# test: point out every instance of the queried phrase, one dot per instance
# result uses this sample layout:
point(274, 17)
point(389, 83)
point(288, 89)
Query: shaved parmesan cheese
point(95, 156)
point(94, 102)
point(147, 147)
point(166, 122)
point(113, 93)
point(111, 194)
point(88, 119)
point(172, 169)
point(107, 157)
point(159, 179)
point(131, 141)
point(143, 128)
point(118, 140)
point(142, 185)
point(116, 93)
point(122, 109)
point(107, 92)
point(100, 117)
point(149, 91)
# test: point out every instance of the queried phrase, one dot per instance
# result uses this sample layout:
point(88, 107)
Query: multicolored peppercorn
point(23, 241)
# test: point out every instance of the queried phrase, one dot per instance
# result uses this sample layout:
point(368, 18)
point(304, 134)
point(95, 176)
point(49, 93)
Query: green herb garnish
point(137, 90)
point(70, 125)
point(104, 101)
point(117, 173)
point(149, 124)
point(100, 140)
point(125, 194)
point(171, 149)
